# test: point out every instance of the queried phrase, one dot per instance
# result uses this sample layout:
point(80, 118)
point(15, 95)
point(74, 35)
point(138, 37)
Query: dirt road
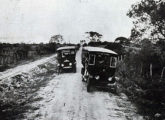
point(65, 98)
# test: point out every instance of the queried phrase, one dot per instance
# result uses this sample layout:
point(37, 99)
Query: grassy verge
point(18, 92)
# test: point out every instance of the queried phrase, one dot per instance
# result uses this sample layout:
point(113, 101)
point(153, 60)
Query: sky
point(35, 21)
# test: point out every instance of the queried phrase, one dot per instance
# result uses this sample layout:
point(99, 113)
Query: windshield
point(102, 60)
point(67, 52)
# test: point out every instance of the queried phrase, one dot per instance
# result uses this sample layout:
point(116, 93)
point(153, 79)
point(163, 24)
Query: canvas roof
point(99, 49)
point(66, 47)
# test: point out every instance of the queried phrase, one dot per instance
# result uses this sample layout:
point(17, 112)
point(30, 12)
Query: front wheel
point(74, 69)
point(59, 70)
point(83, 78)
point(82, 71)
point(89, 85)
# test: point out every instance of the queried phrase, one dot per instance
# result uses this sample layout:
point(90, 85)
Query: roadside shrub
point(141, 80)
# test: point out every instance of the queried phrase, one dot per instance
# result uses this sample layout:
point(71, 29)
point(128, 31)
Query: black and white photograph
point(82, 59)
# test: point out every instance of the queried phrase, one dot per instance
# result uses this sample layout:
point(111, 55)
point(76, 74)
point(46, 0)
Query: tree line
point(12, 54)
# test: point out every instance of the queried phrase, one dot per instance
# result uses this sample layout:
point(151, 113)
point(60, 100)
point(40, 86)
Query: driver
point(100, 59)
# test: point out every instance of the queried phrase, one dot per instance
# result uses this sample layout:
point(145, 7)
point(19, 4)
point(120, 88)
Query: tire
point(89, 85)
point(115, 90)
point(88, 88)
point(74, 69)
point(59, 70)
point(82, 70)
point(82, 73)
point(83, 78)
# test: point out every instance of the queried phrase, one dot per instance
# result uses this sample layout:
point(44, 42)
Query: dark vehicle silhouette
point(99, 65)
point(66, 58)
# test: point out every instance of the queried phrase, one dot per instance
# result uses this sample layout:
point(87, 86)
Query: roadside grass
point(19, 92)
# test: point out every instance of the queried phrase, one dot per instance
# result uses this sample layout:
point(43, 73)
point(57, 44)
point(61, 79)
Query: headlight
point(110, 79)
point(62, 65)
point(97, 77)
point(70, 64)
point(58, 65)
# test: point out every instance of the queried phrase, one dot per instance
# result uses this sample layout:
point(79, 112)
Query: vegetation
point(94, 36)
point(122, 41)
point(149, 18)
point(18, 93)
point(143, 70)
point(12, 54)
point(56, 39)
point(117, 47)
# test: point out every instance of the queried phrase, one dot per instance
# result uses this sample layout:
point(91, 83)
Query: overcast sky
point(35, 21)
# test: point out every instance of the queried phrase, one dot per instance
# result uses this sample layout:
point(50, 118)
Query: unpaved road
point(65, 98)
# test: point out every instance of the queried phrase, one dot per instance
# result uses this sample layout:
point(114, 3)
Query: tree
point(56, 39)
point(122, 41)
point(82, 41)
point(149, 19)
point(94, 36)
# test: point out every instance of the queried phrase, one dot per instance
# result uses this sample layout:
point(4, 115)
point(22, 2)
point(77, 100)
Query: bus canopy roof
point(66, 47)
point(99, 49)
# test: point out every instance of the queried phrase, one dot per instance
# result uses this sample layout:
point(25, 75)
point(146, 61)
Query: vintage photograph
point(82, 59)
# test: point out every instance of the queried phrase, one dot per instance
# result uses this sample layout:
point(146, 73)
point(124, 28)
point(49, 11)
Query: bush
point(141, 79)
